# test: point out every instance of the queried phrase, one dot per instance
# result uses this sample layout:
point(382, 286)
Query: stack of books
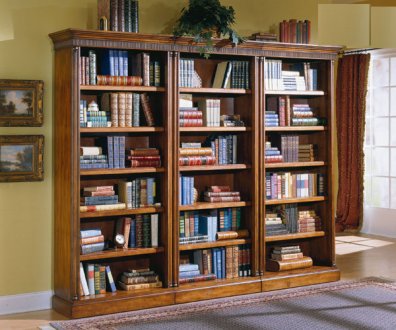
point(92, 241)
point(274, 225)
point(271, 118)
point(293, 81)
point(216, 194)
point(191, 273)
point(191, 154)
point(287, 257)
point(308, 221)
point(99, 198)
point(302, 115)
point(93, 157)
point(91, 116)
point(307, 152)
point(190, 117)
point(143, 157)
point(135, 279)
point(272, 154)
point(231, 121)
point(264, 36)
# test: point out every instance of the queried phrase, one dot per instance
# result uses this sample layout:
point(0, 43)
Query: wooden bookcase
point(247, 175)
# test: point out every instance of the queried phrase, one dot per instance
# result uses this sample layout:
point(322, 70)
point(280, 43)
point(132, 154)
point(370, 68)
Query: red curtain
point(350, 111)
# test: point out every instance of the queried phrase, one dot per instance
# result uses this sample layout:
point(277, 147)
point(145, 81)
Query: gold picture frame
point(21, 102)
point(21, 158)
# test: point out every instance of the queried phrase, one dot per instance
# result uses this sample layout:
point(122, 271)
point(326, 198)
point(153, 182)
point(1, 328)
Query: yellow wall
point(26, 209)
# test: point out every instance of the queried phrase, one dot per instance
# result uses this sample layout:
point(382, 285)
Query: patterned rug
point(365, 304)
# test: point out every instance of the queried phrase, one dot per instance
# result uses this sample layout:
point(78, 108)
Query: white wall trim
point(26, 302)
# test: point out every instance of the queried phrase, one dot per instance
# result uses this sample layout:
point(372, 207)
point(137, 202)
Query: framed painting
point(21, 102)
point(21, 158)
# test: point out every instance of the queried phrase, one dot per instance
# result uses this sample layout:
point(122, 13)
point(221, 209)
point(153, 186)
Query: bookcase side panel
point(66, 174)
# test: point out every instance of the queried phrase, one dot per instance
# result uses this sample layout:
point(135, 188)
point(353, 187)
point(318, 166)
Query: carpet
point(364, 304)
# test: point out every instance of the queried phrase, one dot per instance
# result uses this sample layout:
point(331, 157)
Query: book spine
point(110, 281)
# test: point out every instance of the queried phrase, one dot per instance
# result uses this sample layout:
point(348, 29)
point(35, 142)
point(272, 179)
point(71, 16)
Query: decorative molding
point(26, 302)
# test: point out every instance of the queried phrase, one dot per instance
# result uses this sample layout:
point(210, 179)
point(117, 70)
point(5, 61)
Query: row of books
point(281, 113)
point(232, 74)
point(95, 279)
point(135, 279)
point(139, 231)
point(139, 192)
point(225, 263)
point(118, 67)
point(294, 185)
point(206, 114)
point(289, 218)
point(118, 15)
point(197, 227)
point(295, 31)
point(298, 77)
point(188, 77)
point(143, 157)
point(128, 109)
point(287, 257)
point(224, 148)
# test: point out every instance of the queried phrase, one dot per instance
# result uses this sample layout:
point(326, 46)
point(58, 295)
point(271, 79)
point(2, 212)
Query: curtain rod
point(357, 51)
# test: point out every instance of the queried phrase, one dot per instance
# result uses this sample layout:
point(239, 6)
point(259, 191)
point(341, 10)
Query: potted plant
point(204, 19)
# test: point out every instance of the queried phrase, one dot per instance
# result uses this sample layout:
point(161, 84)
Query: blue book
point(132, 234)
point(116, 63)
point(91, 248)
point(188, 273)
point(219, 261)
point(120, 62)
point(183, 190)
point(191, 190)
point(150, 191)
point(121, 155)
point(110, 151)
point(214, 262)
point(105, 66)
point(90, 233)
point(188, 267)
point(116, 151)
point(125, 59)
point(196, 223)
point(203, 225)
point(110, 281)
point(223, 262)
point(180, 190)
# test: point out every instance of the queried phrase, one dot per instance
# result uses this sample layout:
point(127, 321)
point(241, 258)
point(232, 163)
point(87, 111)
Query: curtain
point(352, 75)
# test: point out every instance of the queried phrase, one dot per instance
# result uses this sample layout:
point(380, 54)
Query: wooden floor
point(358, 256)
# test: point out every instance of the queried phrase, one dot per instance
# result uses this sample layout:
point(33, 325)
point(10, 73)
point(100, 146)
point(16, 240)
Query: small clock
point(119, 241)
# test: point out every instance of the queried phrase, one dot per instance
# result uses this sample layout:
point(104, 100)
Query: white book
point(90, 151)
point(154, 230)
point(83, 281)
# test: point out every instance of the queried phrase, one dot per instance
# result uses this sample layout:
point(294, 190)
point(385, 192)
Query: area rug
point(365, 304)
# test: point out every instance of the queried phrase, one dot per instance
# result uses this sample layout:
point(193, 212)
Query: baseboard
point(27, 302)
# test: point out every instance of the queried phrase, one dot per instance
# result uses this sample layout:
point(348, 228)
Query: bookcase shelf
point(113, 171)
point(243, 152)
point(230, 91)
point(296, 93)
point(295, 128)
point(209, 206)
point(214, 167)
point(121, 88)
point(296, 164)
point(141, 129)
point(295, 200)
point(294, 236)
point(123, 212)
point(214, 129)
point(208, 245)
point(119, 253)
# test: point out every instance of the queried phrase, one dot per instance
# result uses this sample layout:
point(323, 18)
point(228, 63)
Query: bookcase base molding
point(181, 179)
point(193, 292)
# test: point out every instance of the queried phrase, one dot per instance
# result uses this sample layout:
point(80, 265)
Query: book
point(95, 208)
point(147, 111)
point(92, 239)
point(110, 281)
point(92, 248)
point(286, 256)
point(89, 271)
point(220, 74)
point(276, 266)
point(132, 287)
point(83, 281)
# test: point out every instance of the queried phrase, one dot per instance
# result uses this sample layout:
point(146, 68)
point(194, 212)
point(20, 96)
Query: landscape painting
point(21, 158)
point(21, 102)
